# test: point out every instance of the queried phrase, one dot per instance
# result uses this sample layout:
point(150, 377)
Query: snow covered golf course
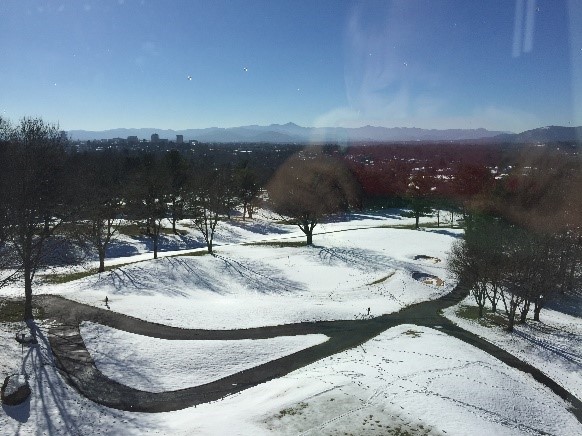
point(407, 380)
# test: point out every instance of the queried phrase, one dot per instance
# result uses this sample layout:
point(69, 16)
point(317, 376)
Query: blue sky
point(505, 65)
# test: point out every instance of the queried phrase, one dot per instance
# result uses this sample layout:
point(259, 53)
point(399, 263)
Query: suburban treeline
point(53, 197)
point(521, 209)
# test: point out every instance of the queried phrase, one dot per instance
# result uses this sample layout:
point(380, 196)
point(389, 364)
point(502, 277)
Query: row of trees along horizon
point(521, 207)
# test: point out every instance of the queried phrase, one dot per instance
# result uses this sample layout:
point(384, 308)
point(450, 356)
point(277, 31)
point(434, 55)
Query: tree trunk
point(537, 309)
point(494, 299)
point(101, 259)
point(417, 217)
point(511, 317)
point(209, 246)
point(438, 217)
point(28, 293)
point(524, 312)
point(156, 234)
point(309, 238)
point(244, 210)
point(174, 216)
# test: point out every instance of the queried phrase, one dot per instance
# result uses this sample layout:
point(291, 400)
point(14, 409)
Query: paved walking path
point(78, 367)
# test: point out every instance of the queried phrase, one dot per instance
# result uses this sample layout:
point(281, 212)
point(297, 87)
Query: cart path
point(78, 368)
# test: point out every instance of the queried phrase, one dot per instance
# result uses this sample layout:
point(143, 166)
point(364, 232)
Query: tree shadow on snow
point(261, 228)
point(118, 248)
point(260, 277)
point(55, 404)
point(446, 232)
point(138, 280)
point(365, 260)
point(568, 304)
point(552, 343)
point(117, 362)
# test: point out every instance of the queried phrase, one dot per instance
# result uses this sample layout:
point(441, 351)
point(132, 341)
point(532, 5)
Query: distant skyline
point(105, 64)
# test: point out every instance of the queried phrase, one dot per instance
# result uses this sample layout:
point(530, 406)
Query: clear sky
point(504, 65)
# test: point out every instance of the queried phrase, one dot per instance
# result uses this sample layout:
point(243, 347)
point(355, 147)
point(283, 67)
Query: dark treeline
point(512, 266)
point(52, 197)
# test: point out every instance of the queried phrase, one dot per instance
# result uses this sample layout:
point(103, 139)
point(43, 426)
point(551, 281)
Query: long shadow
point(257, 275)
point(261, 228)
point(446, 232)
point(20, 413)
point(78, 368)
point(573, 358)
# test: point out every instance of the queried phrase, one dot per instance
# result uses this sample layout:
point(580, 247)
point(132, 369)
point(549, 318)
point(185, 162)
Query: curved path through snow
point(78, 368)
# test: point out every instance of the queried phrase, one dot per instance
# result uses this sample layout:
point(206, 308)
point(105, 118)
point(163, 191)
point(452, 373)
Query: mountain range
point(292, 133)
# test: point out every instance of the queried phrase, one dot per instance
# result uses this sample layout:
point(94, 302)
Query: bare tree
point(248, 189)
point(34, 195)
point(148, 196)
point(9, 268)
point(419, 193)
point(206, 202)
point(465, 265)
point(311, 186)
point(179, 174)
point(101, 196)
point(504, 261)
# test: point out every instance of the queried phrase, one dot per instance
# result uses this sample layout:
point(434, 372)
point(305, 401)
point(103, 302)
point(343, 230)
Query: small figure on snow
point(107, 302)
point(368, 311)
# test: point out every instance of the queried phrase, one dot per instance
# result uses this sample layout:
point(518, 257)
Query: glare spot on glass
point(529, 26)
point(523, 32)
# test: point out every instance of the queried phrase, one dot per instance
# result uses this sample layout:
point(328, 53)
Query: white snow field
point(158, 365)
point(255, 285)
point(407, 380)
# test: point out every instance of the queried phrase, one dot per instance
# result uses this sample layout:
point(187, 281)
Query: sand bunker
point(428, 258)
point(427, 279)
